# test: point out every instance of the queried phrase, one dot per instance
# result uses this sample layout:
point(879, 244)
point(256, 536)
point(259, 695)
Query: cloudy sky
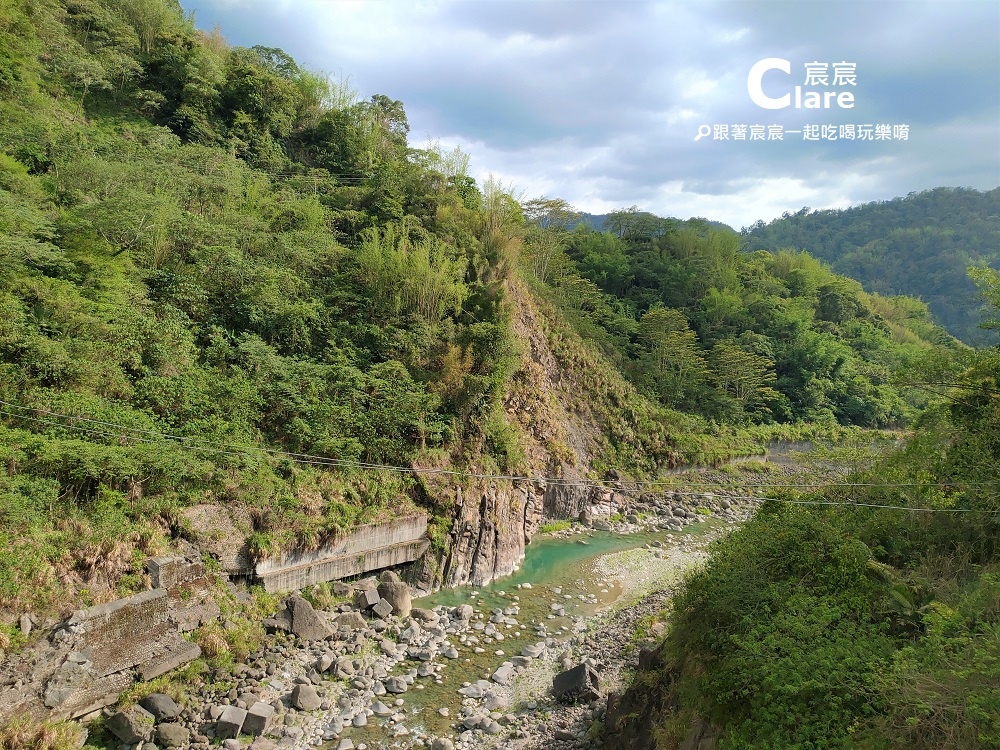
point(600, 102)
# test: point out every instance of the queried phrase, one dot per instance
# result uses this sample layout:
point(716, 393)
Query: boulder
point(424, 615)
point(533, 650)
point(307, 623)
point(344, 667)
point(579, 683)
point(258, 719)
point(324, 662)
point(305, 698)
point(161, 706)
point(394, 685)
point(230, 722)
point(172, 735)
point(383, 608)
point(366, 598)
point(396, 593)
point(504, 674)
point(281, 622)
point(600, 524)
point(411, 633)
point(342, 589)
point(351, 621)
point(131, 725)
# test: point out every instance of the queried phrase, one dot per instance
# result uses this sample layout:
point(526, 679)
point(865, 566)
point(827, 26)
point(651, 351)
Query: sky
point(601, 102)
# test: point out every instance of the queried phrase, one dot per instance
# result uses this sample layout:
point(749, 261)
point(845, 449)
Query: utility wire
point(152, 437)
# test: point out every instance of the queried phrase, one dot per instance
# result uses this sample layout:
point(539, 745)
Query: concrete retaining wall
point(364, 549)
point(98, 651)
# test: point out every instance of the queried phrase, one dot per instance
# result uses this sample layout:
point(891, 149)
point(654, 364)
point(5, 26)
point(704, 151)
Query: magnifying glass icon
point(703, 132)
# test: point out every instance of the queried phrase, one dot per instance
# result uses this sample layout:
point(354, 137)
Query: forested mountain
point(704, 328)
point(921, 245)
point(211, 243)
point(226, 279)
point(865, 614)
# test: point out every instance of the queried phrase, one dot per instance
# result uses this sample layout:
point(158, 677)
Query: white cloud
point(598, 102)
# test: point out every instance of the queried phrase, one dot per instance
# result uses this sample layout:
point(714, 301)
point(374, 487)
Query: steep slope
point(230, 290)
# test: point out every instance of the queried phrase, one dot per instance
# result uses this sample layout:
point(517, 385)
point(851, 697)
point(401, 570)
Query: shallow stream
point(560, 571)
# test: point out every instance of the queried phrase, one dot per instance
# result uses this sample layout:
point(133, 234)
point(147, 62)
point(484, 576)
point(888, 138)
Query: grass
point(553, 526)
point(22, 733)
point(321, 595)
point(243, 633)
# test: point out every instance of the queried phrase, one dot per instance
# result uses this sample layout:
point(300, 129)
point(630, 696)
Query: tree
point(635, 225)
point(745, 376)
point(673, 363)
point(500, 223)
point(547, 213)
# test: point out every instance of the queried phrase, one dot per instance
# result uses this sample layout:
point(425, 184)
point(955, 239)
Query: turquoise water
point(548, 561)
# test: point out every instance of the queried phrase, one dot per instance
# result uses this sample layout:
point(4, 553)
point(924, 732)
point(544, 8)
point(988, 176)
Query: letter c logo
point(756, 91)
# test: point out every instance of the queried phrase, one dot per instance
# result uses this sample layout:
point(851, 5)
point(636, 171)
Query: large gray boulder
point(351, 621)
point(300, 618)
point(579, 683)
point(396, 593)
point(258, 719)
point(161, 706)
point(172, 735)
point(383, 609)
point(394, 685)
point(366, 598)
point(131, 725)
point(307, 623)
point(504, 673)
point(305, 698)
point(230, 723)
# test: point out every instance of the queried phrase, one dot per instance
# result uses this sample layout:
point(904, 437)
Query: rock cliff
point(492, 521)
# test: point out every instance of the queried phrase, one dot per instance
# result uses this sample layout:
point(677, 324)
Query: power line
point(150, 436)
point(850, 504)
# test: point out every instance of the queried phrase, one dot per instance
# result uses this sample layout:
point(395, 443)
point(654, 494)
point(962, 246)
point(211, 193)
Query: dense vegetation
point(224, 278)
point(847, 624)
point(227, 278)
point(921, 245)
point(215, 267)
point(734, 337)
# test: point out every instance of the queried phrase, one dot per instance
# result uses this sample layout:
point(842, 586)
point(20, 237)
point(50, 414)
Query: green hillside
point(225, 278)
point(921, 245)
point(734, 337)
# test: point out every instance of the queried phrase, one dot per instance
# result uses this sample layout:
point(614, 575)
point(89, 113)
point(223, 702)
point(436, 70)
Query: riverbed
point(563, 586)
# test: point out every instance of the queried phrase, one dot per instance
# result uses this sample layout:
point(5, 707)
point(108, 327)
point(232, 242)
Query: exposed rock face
point(489, 532)
point(493, 521)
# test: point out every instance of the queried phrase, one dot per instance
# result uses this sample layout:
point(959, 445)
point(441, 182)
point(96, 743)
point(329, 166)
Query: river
point(561, 571)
